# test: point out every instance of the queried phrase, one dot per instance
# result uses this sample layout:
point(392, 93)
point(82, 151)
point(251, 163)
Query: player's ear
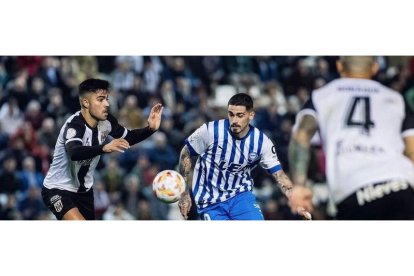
point(85, 103)
point(251, 115)
point(374, 68)
point(339, 66)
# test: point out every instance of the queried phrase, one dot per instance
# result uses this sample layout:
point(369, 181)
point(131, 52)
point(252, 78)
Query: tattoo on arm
point(299, 149)
point(283, 182)
point(185, 165)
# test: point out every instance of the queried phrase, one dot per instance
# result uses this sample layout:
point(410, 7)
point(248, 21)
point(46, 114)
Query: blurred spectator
point(34, 114)
point(10, 181)
point(174, 136)
point(49, 72)
point(31, 205)
point(11, 117)
point(48, 133)
point(102, 201)
point(131, 195)
point(130, 115)
point(301, 77)
point(29, 176)
point(271, 210)
point(38, 92)
point(162, 154)
point(113, 176)
point(151, 77)
point(122, 78)
point(117, 212)
point(29, 64)
point(56, 108)
point(9, 211)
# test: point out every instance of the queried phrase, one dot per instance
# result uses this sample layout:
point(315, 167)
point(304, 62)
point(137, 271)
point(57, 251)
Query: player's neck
point(356, 76)
point(92, 122)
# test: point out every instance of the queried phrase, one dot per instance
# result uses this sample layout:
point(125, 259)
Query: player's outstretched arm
point(154, 118)
point(185, 168)
point(300, 197)
point(299, 149)
point(78, 152)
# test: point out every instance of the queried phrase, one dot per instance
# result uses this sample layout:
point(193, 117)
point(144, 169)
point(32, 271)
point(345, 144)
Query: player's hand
point(185, 204)
point(300, 201)
point(116, 145)
point(154, 118)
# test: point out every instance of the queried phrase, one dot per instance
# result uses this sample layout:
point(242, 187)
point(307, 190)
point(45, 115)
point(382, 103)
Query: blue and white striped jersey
point(225, 161)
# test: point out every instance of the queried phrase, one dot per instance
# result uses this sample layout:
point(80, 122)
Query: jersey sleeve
point(269, 160)
point(197, 142)
point(117, 131)
point(408, 122)
point(73, 133)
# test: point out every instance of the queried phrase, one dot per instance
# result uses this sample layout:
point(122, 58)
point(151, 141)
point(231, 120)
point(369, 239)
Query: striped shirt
point(225, 162)
point(77, 176)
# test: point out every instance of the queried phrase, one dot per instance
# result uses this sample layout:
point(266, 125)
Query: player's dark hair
point(243, 100)
point(92, 85)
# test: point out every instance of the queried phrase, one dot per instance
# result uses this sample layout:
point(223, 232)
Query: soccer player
point(364, 127)
point(228, 150)
point(67, 188)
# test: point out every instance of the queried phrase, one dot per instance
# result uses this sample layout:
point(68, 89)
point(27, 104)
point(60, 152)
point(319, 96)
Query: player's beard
point(238, 129)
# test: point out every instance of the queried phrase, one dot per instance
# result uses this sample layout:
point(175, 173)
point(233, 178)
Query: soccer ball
point(168, 186)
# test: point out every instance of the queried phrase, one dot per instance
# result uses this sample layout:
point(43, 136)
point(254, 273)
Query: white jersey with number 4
point(362, 124)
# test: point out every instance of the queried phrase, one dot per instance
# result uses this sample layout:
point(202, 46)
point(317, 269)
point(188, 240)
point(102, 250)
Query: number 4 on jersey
point(364, 121)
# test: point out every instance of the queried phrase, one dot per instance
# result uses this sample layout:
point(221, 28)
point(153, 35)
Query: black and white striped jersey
point(77, 176)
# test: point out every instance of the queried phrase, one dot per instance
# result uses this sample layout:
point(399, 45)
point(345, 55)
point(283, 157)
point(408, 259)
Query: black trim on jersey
point(408, 122)
point(308, 104)
point(81, 178)
point(78, 152)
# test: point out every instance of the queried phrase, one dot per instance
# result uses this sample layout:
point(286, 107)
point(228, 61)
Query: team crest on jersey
point(70, 133)
point(252, 157)
point(57, 203)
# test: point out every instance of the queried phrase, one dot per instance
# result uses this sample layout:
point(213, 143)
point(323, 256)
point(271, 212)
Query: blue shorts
point(240, 207)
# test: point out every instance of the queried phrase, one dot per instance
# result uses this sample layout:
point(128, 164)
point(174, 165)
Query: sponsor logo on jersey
point(70, 133)
point(371, 192)
point(86, 162)
point(56, 200)
point(231, 167)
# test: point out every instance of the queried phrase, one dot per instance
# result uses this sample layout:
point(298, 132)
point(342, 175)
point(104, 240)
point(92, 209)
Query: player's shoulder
point(216, 123)
point(75, 120)
point(259, 133)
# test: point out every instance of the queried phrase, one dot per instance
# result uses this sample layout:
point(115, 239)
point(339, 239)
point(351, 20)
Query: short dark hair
point(243, 100)
point(92, 85)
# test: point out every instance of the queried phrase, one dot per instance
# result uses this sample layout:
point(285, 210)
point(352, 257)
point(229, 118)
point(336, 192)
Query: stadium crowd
point(38, 93)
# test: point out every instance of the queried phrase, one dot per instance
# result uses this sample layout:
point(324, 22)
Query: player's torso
point(223, 170)
point(360, 125)
point(75, 175)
